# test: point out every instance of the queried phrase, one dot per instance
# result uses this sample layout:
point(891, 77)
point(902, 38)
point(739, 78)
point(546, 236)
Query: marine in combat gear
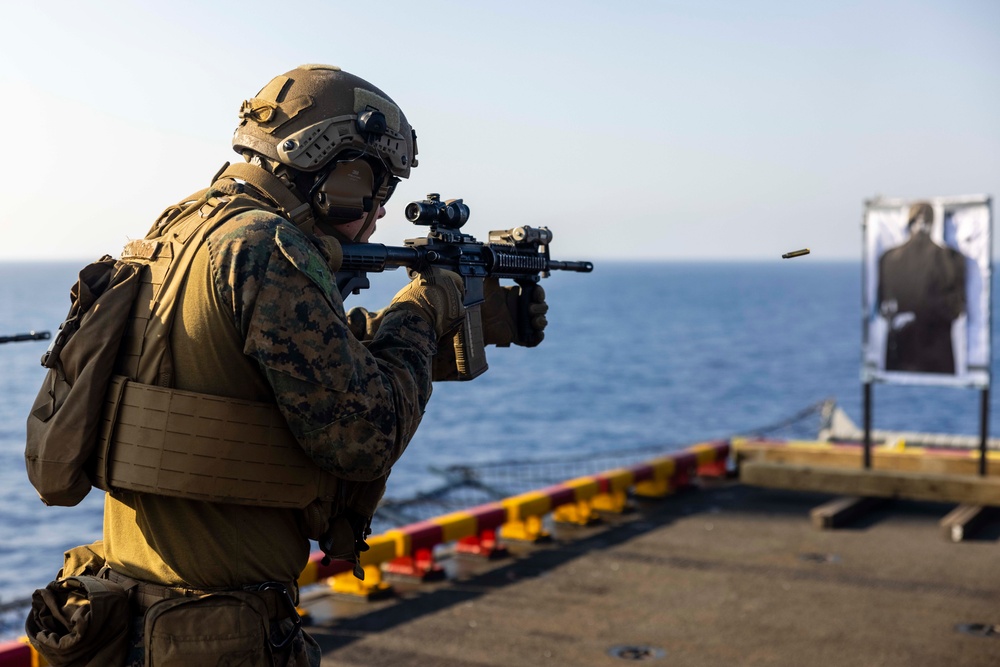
point(238, 313)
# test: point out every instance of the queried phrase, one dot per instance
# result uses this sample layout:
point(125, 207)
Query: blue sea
point(636, 355)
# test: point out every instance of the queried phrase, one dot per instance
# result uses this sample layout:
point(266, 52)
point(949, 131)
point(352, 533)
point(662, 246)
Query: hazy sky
point(701, 129)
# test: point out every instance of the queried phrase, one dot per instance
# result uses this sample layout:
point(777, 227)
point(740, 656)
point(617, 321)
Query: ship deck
point(727, 574)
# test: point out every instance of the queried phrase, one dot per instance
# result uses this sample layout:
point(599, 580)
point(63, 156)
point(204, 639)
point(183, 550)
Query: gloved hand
point(501, 315)
point(363, 323)
point(437, 294)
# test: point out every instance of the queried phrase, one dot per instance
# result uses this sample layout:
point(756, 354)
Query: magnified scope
point(451, 214)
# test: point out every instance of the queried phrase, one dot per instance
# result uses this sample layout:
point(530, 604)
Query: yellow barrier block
point(663, 468)
point(529, 530)
point(385, 547)
point(704, 453)
point(653, 488)
point(346, 583)
point(308, 574)
point(580, 513)
point(615, 501)
point(457, 525)
point(520, 508)
point(619, 480)
point(584, 487)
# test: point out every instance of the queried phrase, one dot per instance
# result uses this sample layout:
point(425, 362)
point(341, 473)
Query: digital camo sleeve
point(365, 324)
point(353, 407)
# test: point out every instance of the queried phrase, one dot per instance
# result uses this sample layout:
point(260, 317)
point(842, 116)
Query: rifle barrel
point(579, 267)
point(31, 335)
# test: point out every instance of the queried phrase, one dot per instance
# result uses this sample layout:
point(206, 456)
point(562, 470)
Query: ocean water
point(635, 355)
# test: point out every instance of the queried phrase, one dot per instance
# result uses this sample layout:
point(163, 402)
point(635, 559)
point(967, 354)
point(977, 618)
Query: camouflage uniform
point(260, 318)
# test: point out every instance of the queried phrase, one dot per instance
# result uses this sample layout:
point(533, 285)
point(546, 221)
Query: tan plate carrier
point(155, 439)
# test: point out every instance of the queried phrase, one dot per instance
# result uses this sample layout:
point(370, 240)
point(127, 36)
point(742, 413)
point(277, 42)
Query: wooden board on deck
point(958, 462)
point(843, 510)
point(964, 521)
point(967, 489)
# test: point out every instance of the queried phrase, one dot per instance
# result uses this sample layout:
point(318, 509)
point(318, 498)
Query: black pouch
point(217, 629)
point(81, 621)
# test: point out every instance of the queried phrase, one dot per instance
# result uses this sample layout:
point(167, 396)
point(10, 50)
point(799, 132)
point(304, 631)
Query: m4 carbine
point(521, 253)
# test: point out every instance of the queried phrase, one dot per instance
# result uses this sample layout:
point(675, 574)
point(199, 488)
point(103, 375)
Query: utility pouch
point(86, 559)
point(228, 628)
point(81, 621)
point(63, 425)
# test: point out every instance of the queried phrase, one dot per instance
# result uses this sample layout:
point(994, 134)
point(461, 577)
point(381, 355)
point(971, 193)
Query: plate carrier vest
point(156, 439)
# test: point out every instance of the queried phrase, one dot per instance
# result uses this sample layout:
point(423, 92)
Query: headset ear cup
point(342, 195)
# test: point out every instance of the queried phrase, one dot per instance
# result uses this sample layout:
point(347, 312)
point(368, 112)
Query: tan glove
point(501, 315)
point(363, 323)
point(437, 294)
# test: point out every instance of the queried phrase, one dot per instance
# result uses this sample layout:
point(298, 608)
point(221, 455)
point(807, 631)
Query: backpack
point(65, 418)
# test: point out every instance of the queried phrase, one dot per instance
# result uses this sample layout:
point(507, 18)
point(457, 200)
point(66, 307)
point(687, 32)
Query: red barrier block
point(15, 654)
point(489, 517)
point(423, 535)
point(713, 469)
point(686, 468)
point(420, 566)
point(560, 494)
point(642, 473)
point(484, 545)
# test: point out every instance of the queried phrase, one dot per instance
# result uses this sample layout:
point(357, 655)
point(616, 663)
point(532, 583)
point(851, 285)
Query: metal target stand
point(870, 372)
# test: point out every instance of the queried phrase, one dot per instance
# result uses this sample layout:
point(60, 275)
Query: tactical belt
point(280, 598)
point(203, 447)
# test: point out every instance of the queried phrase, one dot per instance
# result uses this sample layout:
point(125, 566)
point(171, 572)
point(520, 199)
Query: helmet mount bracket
point(372, 124)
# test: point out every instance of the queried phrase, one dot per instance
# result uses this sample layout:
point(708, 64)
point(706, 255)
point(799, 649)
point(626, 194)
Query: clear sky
point(674, 130)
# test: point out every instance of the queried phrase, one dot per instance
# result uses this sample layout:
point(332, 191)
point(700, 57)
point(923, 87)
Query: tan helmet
point(307, 117)
point(317, 119)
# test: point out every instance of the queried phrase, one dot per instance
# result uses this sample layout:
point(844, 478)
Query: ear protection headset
point(345, 193)
point(356, 184)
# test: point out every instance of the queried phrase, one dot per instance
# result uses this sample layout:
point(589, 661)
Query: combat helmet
point(317, 119)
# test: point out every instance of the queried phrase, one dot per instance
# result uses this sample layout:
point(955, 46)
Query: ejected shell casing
point(795, 253)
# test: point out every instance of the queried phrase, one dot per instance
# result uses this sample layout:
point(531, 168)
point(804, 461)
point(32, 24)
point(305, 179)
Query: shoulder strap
point(297, 211)
point(145, 354)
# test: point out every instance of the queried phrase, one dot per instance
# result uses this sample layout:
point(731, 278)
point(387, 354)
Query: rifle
point(521, 253)
point(31, 335)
